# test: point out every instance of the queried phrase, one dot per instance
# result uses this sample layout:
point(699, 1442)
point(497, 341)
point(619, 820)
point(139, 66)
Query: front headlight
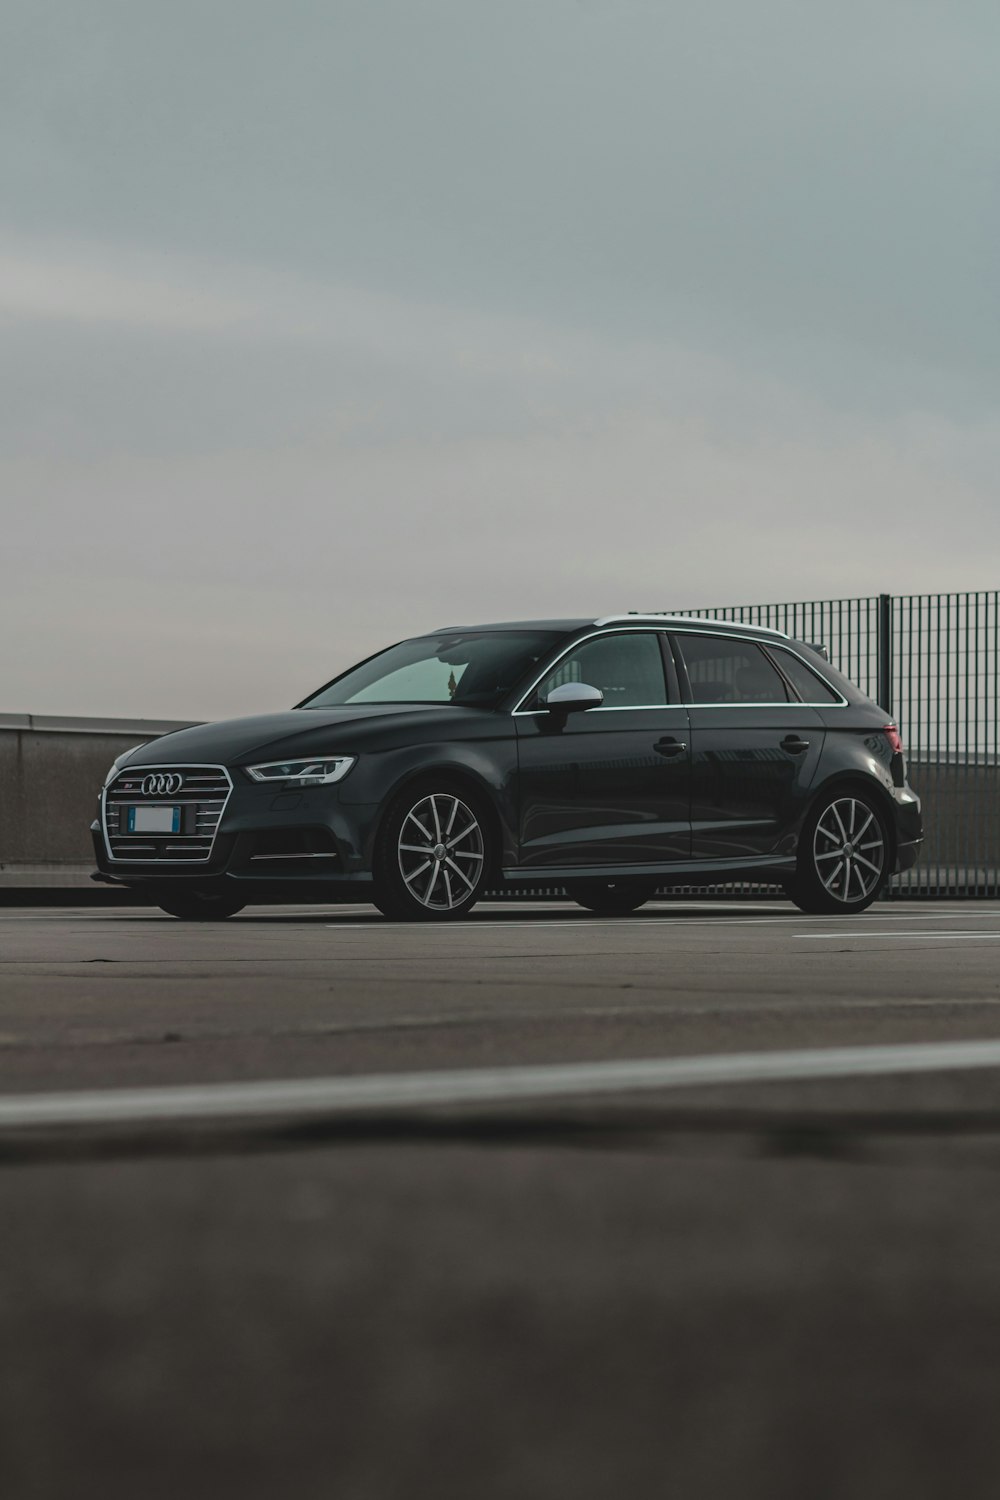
point(319, 771)
point(120, 761)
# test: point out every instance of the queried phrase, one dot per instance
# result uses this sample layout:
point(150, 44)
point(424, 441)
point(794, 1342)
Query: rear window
point(725, 671)
point(810, 687)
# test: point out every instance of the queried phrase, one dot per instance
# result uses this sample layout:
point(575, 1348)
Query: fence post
point(885, 652)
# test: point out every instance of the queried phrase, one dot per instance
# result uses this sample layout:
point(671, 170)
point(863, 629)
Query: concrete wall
point(961, 808)
point(52, 769)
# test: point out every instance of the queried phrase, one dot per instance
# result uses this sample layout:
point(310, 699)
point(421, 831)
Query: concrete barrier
point(51, 771)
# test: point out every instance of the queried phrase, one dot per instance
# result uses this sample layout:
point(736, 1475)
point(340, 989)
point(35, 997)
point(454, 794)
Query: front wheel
point(843, 862)
point(611, 898)
point(432, 855)
point(199, 905)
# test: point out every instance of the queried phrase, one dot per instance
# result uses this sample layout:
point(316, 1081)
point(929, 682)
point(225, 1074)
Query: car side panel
point(749, 786)
point(598, 789)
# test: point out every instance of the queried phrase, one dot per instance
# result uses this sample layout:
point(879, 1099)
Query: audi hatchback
point(609, 758)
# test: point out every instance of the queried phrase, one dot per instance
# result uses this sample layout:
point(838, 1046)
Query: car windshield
point(474, 670)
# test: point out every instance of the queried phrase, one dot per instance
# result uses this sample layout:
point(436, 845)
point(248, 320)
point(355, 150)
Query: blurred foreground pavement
point(689, 1309)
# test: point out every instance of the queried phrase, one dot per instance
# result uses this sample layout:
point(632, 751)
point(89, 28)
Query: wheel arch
point(459, 777)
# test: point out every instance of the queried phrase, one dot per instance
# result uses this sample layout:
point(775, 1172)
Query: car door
point(609, 786)
point(755, 749)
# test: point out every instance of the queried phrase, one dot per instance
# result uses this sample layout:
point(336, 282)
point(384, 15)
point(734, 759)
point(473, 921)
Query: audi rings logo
point(162, 784)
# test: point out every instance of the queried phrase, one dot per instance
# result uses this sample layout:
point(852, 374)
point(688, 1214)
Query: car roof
point(565, 627)
point(633, 617)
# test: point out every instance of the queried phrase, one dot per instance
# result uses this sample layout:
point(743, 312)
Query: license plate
point(154, 820)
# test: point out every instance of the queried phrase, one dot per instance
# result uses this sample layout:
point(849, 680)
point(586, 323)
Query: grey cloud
point(800, 173)
point(324, 322)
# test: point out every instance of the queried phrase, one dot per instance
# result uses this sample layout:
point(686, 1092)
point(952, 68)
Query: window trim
point(795, 702)
point(519, 712)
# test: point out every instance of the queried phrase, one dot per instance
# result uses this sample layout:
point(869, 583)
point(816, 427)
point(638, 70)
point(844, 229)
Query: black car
point(607, 757)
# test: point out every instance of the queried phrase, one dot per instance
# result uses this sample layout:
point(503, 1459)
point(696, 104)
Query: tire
point(199, 905)
point(611, 898)
point(844, 855)
point(433, 853)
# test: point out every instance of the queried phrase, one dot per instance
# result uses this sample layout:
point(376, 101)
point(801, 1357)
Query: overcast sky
point(326, 322)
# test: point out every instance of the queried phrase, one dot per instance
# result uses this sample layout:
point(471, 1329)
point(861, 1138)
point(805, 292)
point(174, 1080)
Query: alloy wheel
point(849, 850)
point(441, 852)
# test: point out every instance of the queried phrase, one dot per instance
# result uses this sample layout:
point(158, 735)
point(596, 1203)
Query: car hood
point(298, 731)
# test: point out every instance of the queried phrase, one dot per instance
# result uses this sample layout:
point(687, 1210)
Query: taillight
point(892, 735)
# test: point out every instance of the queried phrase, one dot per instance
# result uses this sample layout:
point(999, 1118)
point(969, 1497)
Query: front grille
point(201, 798)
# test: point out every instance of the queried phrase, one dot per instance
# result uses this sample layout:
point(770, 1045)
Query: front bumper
point(264, 838)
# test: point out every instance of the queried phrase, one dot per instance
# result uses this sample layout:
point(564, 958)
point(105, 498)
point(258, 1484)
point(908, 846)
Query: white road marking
point(395, 1091)
point(909, 937)
point(568, 919)
point(540, 926)
point(653, 920)
point(920, 916)
point(764, 916)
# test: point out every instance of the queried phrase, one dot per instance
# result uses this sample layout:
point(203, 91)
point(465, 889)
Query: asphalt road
point(771, 1289)
point(130, 996)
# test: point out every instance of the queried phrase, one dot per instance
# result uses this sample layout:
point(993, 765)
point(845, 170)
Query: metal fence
point(932, 661)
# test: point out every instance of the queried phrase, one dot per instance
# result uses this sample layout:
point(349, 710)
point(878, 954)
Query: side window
point(810, 688)
point(722, 671)
point(628, 669)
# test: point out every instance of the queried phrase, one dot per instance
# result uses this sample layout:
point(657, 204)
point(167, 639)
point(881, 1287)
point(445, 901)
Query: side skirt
point(689, 872)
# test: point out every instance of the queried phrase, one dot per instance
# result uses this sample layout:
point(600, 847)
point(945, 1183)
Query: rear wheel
point(433, 854)
point(200, 904)
point(843, 862)
point(612, 898)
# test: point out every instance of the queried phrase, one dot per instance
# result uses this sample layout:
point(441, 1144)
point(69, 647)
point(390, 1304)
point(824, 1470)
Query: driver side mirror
point(573, 697)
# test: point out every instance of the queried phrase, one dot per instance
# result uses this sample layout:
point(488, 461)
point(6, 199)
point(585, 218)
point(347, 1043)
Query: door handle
point(669, 747)
point(794, 745)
